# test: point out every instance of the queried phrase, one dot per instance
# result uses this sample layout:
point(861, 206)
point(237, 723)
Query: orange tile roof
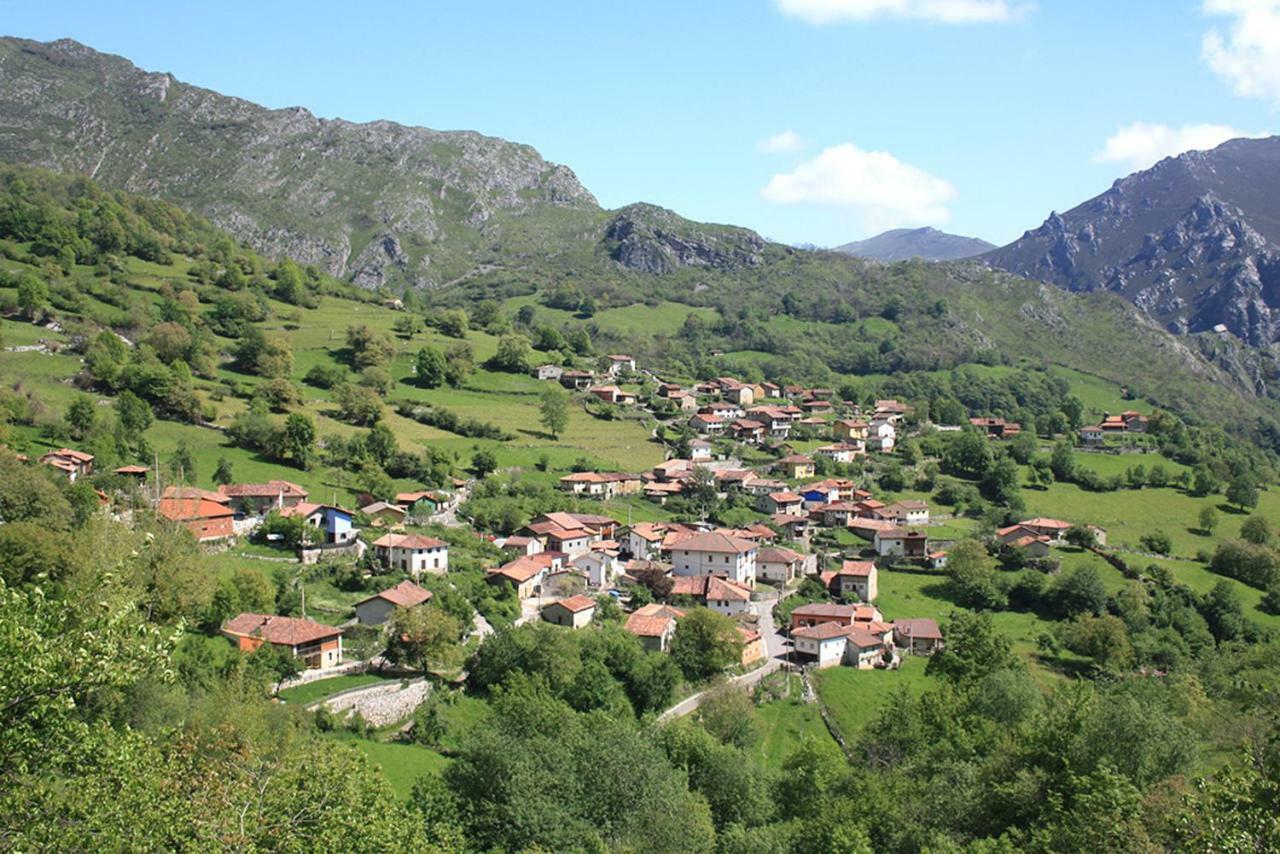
point(575, 604)
point(288, 631)
point(408, 541)
point(406, 594)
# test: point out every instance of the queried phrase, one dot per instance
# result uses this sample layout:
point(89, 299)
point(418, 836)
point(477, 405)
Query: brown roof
point(78, 456)
point(777, 555)
point(408, 541)
point(132, 470)
point(918, 627)
point(726, 590)
point(864, 639)
point(188, 509)
point(714, 542)
point(858, 568)
point(189, 492)
point(652, 620)
point(406, 594)
point(575, 604)
point(287, 631)
point(262, 490)
point(824, 609)
point(822, 631)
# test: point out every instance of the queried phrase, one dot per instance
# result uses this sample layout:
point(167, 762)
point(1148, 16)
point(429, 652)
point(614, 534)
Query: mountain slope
point(928, 244)
point(376, 201)
point(1194, 241)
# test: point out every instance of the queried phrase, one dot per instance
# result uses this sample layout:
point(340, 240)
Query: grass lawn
point(785, 725)
point(304, 695)
point(402, 764)
point(854, 696)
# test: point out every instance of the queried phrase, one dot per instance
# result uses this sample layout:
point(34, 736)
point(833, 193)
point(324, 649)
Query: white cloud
point(1247, 55)
point(938, 11)
point(781, 143)
point(877, 188)
point(1140, 144)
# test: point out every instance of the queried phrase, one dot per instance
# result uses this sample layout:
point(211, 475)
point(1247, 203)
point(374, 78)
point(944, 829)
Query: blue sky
point(976, 116)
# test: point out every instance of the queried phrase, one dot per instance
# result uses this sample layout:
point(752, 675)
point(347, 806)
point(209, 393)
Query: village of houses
point(561, 564)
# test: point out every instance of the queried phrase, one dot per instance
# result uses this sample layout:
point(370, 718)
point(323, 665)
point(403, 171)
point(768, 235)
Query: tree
point(222, 474)
point(1203, 481)
point(1078, 590)
point(968, 455)
point(300, 439)
point(134, 414)
point(432, 369)
point(972, 574)
point(1223, 611)
point(381, 444)
point(276, 662)
point(483, 462)
point(1243, 491)
point(453, 323)
point(358, 405)
point(459, 363)
point(1062, 461)
point(182, 465)
point(424, 637)
point(80, 418)
point(1000, 483)
point(705, 643)
point(512, 355)
point(554, 410)
point(1081, 537)
point(369, 347)
point(728, 714)
point(1104, 639)
point(974, 648)
point(1156, 541)
point(1257, 530)
point(1208, 520)
point(33, 296)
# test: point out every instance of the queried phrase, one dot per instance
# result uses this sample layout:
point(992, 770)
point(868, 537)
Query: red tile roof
point(270, 489)
point(575, 604)
point(406, 594)
point(188, 509)
point(717, 543)
point(408, 541)
point(286, 631)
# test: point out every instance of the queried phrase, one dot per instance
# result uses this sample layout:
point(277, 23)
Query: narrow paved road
point(776, 649)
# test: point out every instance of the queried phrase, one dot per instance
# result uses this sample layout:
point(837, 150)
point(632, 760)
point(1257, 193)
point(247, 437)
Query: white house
point(548, 372)
point(699, 451)
point(716, 554)
point(574, 612)
point(412, 553)
point(619, 363)
point(779, 564)
point(824, 642)
point(882, 436)
point(601, 567)
point(377, 609)
point(728, 597)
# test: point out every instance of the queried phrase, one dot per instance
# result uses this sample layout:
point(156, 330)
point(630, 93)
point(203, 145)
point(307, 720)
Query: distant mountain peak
point(926, 243)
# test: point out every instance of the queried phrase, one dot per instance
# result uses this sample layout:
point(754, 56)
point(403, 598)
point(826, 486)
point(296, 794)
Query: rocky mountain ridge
point(1191, 241)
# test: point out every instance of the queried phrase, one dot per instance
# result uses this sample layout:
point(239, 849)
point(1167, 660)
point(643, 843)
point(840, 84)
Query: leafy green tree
point(432, 369)
point(1203, 481)
point(300, 439)
point(459, 363)
point(454, 323)
point(972, 575)
point(483, 462)
point(973, 648)
point(182, 464)
point(728, 714)
point(554, 410)
point(1224, 612)
point(512, 355)
point(134, 414)
point(1104, 639)
point(1157, 541)
point(223, 475)
point(369, 346)
point(33, 296)
point(357, 404)
point(1062, 462)
point(1078, 590)
point(424, 638)
point(1243, 492)
point(968, 455)
point(705, 643)
point(1208, 520)
point(81, 417)
point(1257, 530)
